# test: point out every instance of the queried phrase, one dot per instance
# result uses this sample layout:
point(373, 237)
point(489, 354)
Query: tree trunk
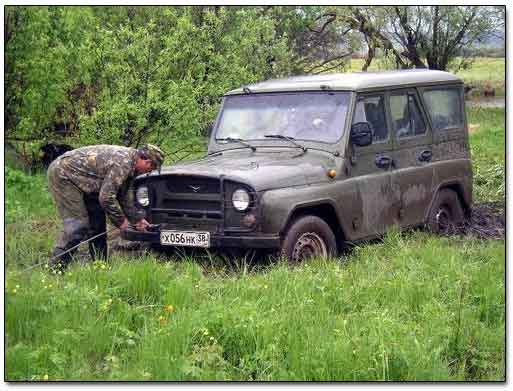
point(371, 52)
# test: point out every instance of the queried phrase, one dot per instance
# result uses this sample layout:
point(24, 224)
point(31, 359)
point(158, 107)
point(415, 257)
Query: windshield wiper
point(238, 140)
point(291, 139)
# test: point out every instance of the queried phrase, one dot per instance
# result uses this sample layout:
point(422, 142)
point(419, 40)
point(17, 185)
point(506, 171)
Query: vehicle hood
point(261, 170)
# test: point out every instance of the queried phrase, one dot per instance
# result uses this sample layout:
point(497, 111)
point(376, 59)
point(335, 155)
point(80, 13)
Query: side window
point(371, 109)
point(444, 106)
point(406, 116)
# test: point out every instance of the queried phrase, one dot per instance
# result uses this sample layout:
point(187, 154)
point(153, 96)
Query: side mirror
point(361, 134)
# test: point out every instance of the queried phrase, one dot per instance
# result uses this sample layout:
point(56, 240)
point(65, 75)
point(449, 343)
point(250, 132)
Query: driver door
point(371, 167)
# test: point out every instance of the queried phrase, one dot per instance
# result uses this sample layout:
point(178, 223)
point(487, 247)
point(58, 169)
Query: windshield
point(316, 116)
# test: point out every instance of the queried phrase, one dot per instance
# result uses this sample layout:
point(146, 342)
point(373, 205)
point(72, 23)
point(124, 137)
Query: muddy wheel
point(446, 212)
point(308, 237)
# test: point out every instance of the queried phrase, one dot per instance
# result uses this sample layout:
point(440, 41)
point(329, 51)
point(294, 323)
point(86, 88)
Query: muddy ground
point(487, 221)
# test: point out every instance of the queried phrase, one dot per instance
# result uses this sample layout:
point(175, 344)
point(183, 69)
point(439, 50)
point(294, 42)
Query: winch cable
point(70, 249)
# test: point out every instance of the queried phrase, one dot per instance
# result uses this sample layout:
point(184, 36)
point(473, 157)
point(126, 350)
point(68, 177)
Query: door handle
point(383, 161)
point(425, 156)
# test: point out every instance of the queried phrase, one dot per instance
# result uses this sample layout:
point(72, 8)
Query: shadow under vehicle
point(307, 164)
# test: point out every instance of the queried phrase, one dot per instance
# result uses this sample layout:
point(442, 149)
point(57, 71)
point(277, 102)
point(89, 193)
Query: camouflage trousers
point(82, 217)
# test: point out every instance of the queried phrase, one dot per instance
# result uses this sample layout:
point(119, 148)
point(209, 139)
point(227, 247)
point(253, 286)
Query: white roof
point(351, 81)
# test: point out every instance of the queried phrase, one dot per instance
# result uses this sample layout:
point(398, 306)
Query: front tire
point(308, 237)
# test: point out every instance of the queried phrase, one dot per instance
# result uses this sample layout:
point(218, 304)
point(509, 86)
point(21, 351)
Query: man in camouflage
point(88, 182)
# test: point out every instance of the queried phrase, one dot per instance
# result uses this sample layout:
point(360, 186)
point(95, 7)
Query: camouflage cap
point(154, 153)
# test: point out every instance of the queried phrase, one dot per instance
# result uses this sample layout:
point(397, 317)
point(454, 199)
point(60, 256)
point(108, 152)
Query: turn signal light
point(332, 173)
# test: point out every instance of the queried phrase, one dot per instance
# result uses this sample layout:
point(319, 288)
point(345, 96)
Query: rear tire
point(446, 212)
point(308, 237)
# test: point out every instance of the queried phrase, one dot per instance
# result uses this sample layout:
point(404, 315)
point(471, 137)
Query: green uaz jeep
point(305, 165)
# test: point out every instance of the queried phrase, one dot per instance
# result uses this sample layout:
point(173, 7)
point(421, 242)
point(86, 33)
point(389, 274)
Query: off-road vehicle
point(307, 164)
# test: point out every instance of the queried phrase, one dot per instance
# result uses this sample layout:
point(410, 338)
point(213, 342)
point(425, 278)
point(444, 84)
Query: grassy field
point(413, 306)
point(483, 73)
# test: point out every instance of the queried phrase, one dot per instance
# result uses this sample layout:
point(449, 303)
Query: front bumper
point(216, 240)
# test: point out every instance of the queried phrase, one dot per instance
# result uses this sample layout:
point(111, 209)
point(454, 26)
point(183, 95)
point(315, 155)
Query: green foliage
point(26, 197)
point(485, 73)
point(126, 75)
point(132, 74)
point(15, 177)
point(43, 45)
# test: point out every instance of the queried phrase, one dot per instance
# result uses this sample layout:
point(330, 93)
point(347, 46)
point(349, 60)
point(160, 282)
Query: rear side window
point(444, 107)
point(406, 116)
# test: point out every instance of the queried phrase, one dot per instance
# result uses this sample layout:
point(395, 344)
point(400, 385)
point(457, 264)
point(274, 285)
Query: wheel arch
point(325, 210)
point(455, 186)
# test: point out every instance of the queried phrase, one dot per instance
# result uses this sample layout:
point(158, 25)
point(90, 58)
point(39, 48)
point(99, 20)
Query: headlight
point(141, 195)
point(240, 200)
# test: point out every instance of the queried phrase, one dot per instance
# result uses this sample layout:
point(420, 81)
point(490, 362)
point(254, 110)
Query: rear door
point(371, 167)
point(412, 179)
point(451, 154)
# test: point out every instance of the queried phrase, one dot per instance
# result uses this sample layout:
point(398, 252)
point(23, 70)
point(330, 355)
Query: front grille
point(194, 202)
point(193, 185)
point(185, 201)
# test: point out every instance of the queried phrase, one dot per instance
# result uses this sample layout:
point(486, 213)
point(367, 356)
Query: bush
point(26, 196)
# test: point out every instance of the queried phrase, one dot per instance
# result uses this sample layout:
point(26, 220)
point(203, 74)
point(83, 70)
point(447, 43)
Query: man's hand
point(142, 225)
point(124, 226)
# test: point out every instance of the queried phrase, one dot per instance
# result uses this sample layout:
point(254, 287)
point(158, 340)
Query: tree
point(425, 36)
point(161, 71)
point(45, 58)
point(317, 44)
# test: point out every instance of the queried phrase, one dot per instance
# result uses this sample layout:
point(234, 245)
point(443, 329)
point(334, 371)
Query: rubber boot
point(97, 225)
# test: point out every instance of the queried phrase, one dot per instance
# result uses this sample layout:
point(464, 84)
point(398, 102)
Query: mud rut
point(487, 221)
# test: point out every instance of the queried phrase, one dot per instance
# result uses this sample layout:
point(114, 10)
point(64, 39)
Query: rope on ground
point(68, 250)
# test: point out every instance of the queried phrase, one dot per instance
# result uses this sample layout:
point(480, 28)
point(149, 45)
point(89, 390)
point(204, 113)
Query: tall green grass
point(488, 145)
point(413, 306)
point(486, 72)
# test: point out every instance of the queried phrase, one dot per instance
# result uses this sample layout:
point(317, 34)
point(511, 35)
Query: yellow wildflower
point(162, 320)
point(45, 377)
point(14, 291)
point(169, 308)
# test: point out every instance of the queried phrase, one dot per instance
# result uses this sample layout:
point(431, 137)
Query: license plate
point(181, 238)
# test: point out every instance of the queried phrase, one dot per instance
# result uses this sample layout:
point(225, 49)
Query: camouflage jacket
point(108, 170)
